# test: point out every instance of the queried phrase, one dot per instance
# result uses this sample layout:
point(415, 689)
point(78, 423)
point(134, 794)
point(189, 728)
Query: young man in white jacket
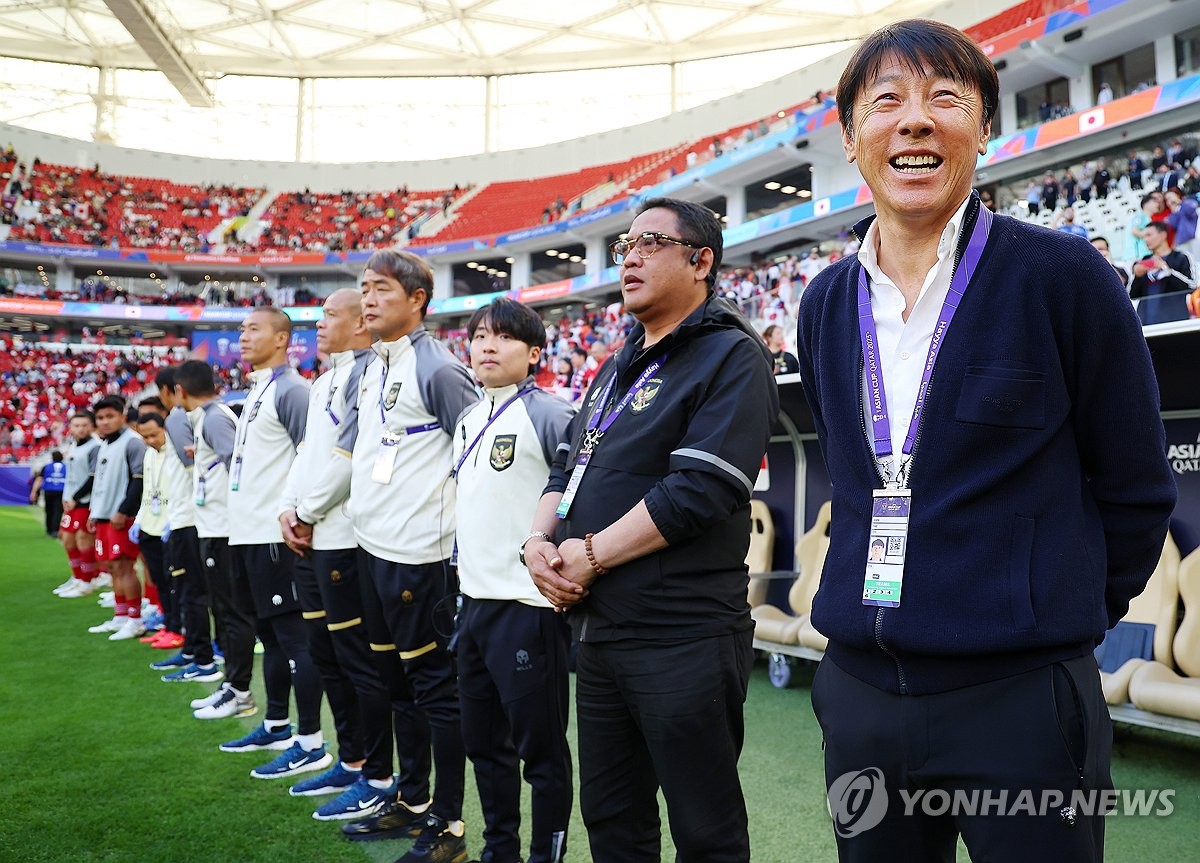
point(511, 643)
point(269, 430)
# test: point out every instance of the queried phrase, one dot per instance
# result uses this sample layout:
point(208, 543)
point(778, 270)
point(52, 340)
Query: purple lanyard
point(468, 450)
point(595, 428)
point(872, 369)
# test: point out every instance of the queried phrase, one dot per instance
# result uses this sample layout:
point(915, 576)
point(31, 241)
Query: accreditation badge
point(385, 460)
point(886, 547)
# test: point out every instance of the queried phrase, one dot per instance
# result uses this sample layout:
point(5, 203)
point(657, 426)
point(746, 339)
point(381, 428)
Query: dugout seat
point(1155, 686)
point(1145, 632)
point(762, 550)
point(773, 624)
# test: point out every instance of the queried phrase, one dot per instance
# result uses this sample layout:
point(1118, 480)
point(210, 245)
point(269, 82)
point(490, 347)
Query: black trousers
point(417, 606)
point(340, 588)
point(234, 623)
point(190, 587)
point(54, 511)
point(339, 691)
point(663, 714)
point(154, 552)
point(1045, 733)
point(264, 587)
point(512, 681)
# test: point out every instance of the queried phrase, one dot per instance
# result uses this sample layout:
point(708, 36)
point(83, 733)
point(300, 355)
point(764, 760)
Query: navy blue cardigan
point(1041, 489)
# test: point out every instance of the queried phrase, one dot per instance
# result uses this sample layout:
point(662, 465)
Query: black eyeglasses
point(645, 245)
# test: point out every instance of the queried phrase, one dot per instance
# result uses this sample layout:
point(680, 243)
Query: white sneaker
point(133, 628)
point(110, 625)
point(107, 599)
point(82, 588)
point(104, 579)
point(228, 703)
point(70, 582)
point(209, 700)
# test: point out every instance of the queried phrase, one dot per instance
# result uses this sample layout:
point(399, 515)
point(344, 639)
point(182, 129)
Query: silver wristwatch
point(525, 542)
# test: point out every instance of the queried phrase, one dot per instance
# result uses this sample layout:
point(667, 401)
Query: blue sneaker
point(295, 760)
point(218, 654)
point(335, 780)
point(176, 661)
point(360, 800)
point(198, 673)
point(154, 621)
point(260, 738)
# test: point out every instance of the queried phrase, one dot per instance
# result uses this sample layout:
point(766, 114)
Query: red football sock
point(87, 563)
point(120, 606)
point(76, 561)
point(151, 590)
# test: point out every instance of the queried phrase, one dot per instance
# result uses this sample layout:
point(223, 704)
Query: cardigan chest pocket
point(1010, 397)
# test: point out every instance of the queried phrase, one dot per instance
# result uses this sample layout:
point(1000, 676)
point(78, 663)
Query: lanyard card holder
point(887, 547)
point(385, 459)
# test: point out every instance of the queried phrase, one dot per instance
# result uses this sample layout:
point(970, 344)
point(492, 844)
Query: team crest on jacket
point(645, 395)
point(392, 394)
point(504, 447)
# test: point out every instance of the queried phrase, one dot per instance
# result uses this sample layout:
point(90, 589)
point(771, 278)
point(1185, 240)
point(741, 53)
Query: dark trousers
point(663, 714)
point(234, 623)
point(154, 551)
point(417, 607)
point(190, 587)
point(54, 511)
point(339, 691)
point(1044, 732)
point(264, 587)
point(340, 590)
point(512, 681)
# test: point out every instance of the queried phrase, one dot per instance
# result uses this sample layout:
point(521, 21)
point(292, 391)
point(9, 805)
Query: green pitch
point(103, 762)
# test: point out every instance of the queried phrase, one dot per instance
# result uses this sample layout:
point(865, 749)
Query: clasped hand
point(561, 573)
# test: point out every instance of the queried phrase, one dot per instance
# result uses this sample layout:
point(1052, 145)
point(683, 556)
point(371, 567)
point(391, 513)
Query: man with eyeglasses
point(641, 535)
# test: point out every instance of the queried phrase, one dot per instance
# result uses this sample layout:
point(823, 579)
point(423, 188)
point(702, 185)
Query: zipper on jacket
point(583, 628)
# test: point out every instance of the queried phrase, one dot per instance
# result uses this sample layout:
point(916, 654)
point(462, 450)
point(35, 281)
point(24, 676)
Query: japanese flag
point(1090, 121)
point(821, 207)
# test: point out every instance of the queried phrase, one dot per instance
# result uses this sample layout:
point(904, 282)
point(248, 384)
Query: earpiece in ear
point(695, 258)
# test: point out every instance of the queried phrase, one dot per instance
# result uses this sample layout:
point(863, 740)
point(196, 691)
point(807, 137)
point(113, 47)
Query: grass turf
point(105, 762)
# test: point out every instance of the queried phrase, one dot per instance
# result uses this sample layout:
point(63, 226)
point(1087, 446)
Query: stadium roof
point(194, 40)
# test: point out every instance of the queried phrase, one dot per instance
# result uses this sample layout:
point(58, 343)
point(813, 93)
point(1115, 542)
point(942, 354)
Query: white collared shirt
point(904, 345)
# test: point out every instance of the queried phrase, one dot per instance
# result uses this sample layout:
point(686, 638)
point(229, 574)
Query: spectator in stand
point(1100, 244)
point(784, 362)
point(1162, 279)
point(1135, 170)
point(1169, 176)
point(1101, 180)
point(1182, 217)
point(579, 372)
point(1033, 197)
point(1191, 180)
point(1086, 177)
point(1050, 192)
point(1067, 217)
point(1069, 186)
point(1105, 94)
point(1158, 159)
point(1137, 225)
point(811, 265)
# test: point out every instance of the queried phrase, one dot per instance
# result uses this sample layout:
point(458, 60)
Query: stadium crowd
point(42, 385)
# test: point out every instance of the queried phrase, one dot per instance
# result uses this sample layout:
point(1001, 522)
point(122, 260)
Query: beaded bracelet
point(591, 555)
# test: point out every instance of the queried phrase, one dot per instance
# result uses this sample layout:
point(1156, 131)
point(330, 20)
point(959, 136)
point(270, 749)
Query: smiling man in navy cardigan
point(988, 412)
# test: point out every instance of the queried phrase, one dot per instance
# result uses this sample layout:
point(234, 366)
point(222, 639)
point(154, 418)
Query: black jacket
point(690, 445)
